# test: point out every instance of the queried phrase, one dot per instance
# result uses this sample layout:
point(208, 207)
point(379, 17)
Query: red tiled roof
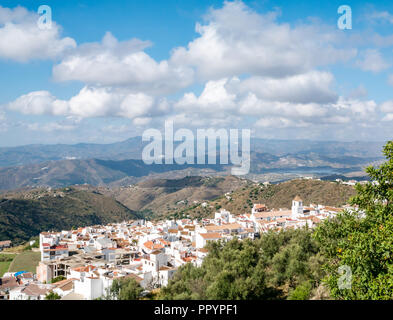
point(210, 235)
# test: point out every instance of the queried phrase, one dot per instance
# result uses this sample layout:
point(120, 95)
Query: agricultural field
point(25, 261)
point(5, 261)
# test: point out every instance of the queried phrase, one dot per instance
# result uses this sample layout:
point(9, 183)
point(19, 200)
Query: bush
point(302, 292)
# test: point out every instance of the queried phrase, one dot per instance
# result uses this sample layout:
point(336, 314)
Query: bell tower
point(297, 207)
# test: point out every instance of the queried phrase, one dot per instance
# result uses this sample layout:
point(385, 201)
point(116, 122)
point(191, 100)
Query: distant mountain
point(26, 214)
point(31, 154)
point(119, 164)
point(332, 149)
point(132, 149)
point(113, 173)
point(94, 172)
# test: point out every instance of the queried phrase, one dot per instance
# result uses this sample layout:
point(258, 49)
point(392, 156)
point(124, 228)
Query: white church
point(297, 208)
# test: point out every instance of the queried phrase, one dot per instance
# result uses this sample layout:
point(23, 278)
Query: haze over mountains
point(120, 164)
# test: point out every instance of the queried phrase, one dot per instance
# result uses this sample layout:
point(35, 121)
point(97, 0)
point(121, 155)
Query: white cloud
point(114, 63)
point(372, 60)
point(254, 106)
point(256, 71)
point(214, 98)
point(22, 40)
point(387, 106)
point(388, 117)
point(279, 122)
point(311, 87)
point(236, 40)
point(89, 102)
point(356, 109)
point(235, 100)
point(38, 102)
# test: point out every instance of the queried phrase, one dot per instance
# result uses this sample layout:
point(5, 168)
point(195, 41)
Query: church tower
point(297, 207)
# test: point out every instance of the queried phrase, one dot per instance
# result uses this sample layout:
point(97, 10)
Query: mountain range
point(119, 164)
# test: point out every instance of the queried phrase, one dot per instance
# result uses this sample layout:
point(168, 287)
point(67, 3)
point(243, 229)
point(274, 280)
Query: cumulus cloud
point(114, 63)
point(311, 87)
point(236, 40)
point(363, 109)
point(387, 107)
point(237, 99)
point(372, 60)
point(214, 98)
point(255, 70)
point(22, 40)
point(89, 102)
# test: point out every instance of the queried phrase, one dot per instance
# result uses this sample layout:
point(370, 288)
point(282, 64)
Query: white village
point(89, 259)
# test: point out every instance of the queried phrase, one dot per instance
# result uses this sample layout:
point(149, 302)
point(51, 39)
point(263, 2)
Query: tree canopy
point(261, 269)
point(124, 289)
point(359, 244)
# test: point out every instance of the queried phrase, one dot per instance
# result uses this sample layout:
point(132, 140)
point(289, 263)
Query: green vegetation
point(5, 261)
point(124, 289)
point(301, 292)
point(348, 257)
point(52, 296)
point(362, 247)
point(26, 215)
point(25, 261)
point(266, 268)
point(36, 244)
point(277, 196)
point(57, 279)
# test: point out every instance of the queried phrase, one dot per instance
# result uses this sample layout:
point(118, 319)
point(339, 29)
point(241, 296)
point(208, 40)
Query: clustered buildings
point(89, 259)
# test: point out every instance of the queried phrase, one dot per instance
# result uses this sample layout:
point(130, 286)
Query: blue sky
point(107, 70)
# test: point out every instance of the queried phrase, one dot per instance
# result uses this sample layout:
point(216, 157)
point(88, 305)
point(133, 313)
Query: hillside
point(26, 214)
point(275, 196)
point(161, 197)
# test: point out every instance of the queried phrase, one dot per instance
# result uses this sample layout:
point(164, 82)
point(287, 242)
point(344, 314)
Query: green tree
point(124, 289)
point(52, 296)
point(363, 240)
point(57, 279)
point(245, 270)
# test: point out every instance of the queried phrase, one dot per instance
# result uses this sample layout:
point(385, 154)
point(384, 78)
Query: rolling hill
point(26, 214)
point(162, 197)
point(275, 196)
